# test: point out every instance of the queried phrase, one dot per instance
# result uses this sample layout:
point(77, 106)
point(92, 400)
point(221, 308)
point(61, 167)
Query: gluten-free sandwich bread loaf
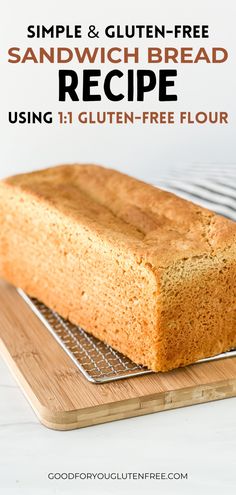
point(151, 274)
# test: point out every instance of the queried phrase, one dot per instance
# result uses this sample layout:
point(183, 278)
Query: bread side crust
point(79, 274)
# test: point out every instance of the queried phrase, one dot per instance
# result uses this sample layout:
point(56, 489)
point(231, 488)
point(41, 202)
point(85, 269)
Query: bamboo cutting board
point(63, 399)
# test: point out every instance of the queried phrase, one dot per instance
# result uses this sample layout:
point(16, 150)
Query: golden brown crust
point(141, 256)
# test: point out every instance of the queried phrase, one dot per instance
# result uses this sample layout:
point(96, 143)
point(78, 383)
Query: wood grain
point(63, 399)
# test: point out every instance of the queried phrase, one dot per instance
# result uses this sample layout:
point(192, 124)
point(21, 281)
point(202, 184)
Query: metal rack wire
point(97, 361)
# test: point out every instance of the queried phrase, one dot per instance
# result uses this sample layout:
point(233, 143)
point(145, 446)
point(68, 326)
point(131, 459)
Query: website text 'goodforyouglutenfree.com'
point(119, 476)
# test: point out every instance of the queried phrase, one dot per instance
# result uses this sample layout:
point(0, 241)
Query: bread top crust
point(158, 227)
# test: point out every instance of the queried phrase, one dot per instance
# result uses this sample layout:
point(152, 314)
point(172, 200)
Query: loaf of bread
point(147, 272)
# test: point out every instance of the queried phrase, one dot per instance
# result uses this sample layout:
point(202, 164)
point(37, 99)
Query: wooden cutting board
point(63, 399)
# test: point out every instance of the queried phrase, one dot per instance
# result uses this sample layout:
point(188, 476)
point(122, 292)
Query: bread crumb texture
point(149, 273)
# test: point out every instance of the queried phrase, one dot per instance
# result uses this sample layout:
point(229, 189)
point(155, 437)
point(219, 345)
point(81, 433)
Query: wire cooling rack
point(99, 362)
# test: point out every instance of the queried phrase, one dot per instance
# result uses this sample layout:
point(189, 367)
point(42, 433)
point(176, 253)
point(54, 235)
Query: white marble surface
point(199, 439)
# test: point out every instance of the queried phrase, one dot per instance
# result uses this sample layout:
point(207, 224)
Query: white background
point(140, 150)
point(198, 439)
